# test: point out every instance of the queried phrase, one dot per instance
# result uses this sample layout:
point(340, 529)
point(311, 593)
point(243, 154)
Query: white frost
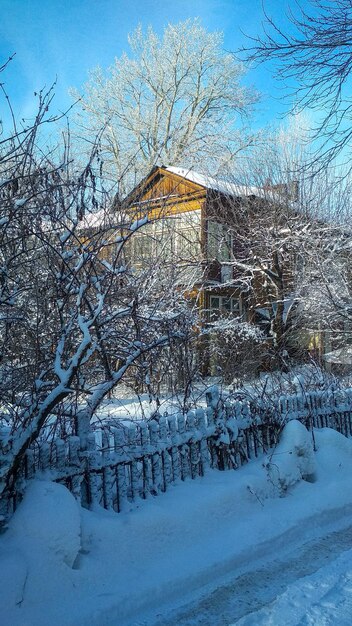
point(139, 223)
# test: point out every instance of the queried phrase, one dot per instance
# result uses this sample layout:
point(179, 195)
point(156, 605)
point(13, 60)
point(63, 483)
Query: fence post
point(156, 461)
point(213, 400)
point(349, 409)
point(132, 444)
point(107, 472)
point(119, 443)
point(82, 425)
point(212, 397)
point(203, 444)
point(194, 452)
point(166, 461)
point(60, 454)
point(93, 482)
point(175, 456)
point(184, 449)
point(145, 451)
point(82, 485)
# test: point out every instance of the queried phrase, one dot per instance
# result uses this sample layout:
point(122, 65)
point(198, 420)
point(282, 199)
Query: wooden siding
point(159, 208)
point(164, 194)
point(161, 184)
point(167, 185)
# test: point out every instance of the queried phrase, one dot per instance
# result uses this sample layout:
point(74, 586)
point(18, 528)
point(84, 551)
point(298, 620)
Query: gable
point(166, 184)
point(167, 192)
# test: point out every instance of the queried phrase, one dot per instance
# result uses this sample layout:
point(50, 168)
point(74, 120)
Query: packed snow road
point(310, 584)
point(321, 599)
point(253, 590)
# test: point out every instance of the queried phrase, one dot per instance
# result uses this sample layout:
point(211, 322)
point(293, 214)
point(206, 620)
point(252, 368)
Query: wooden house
point(187, 223)
point(189, 226)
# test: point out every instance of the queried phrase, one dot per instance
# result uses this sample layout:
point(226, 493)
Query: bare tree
point(173, 100)
point(291, 240)
point(74, 316)
point(315, 51)
point(277, 230)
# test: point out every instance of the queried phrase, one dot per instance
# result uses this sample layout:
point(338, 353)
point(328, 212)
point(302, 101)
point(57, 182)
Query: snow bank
point(135, 565)
point(293, 459)
point(50, 519)
point(334, 452)
point(14, 572)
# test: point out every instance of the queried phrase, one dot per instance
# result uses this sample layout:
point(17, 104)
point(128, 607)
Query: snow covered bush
point(236, 348)
point(293, 458)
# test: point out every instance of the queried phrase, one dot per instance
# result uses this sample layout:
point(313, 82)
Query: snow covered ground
point(319, 599)
point(123, 405)
point(255, 546)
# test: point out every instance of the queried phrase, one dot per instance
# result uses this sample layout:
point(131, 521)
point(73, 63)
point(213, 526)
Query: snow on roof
point(217, 184)
point(101, 219)
point(342, 356)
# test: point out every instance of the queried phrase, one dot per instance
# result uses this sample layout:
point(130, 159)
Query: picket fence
point(118, 466)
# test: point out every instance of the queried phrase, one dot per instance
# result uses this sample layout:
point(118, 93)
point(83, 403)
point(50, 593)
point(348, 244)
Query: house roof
point(199, 184)
point(342, 356)
point(216, 184)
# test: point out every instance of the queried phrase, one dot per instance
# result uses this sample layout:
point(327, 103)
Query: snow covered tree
point(174, 100)
point(74, 316)
point(275, 229)
point(327, 298)
point(291, 239)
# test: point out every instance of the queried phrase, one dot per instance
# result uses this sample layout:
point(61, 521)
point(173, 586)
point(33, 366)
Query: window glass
point(235, 305)
point(214, 302)
point(219, 242)
point(188, 244)
point(223, 305)
point(142, 247)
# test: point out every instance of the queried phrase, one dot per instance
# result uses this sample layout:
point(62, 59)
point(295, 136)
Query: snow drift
point(73, 567)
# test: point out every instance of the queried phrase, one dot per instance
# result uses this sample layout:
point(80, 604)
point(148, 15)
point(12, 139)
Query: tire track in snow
point(254, 589)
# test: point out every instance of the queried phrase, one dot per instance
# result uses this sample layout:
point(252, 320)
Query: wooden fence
point(126, 463)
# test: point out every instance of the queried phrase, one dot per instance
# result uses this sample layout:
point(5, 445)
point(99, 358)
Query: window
point(214, 302)
point(188, 244)
point(173, 238)
point(141, 247)
point(224, 306)
point(187, 236)
point(219, 241)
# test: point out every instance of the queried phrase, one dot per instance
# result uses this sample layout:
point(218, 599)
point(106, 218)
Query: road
point(244, 592)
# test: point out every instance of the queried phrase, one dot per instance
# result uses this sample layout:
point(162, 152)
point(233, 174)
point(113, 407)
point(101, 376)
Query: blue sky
point(66, 38)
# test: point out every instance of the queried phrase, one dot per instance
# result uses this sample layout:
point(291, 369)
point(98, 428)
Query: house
point(190, 225)
point(237, 253)
point(187, 225)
